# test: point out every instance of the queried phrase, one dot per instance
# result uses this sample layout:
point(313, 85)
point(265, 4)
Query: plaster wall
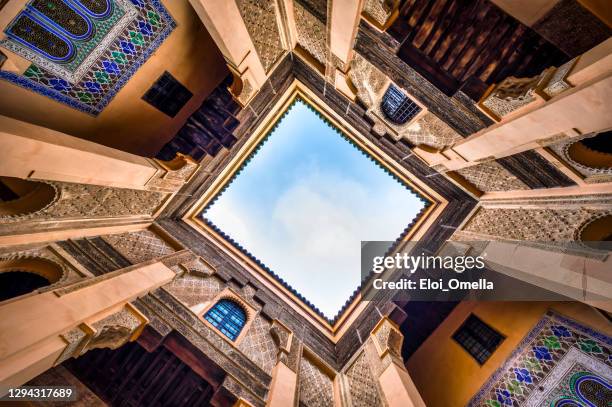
point(128, 123)
point(452, 376)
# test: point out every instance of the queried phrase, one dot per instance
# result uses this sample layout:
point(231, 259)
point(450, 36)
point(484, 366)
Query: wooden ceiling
point(131, 376)
point(469, 44)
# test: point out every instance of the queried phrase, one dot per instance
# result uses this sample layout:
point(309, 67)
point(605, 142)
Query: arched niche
point(597, 233)
point(593, 152)
point(597, 230)
point(20, 197)
point(22, 275)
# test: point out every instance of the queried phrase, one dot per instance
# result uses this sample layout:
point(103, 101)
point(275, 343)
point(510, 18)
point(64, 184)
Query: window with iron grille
point(397, 107)
point(228, 317)
point(478, 338)
point(167, 95)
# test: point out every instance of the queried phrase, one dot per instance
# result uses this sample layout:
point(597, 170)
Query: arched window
point(597, 233)
point(228, 317)
point(16, 283)
point(21, 274)
point(21, 197)
point(593, 152)
point(397, 107)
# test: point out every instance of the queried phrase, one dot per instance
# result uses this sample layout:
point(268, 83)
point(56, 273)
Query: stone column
point(225, 24)
point(38, 153)
point(283, 388)
point(397, 386)
point(40, 331)
point(561, 103)
point(345, 17)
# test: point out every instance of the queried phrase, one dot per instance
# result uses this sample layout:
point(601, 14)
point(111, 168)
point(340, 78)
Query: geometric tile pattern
point(193, 290)
point(558, 359)
point(138, 247)
point(547, 224)
point(378, 10)
point(260, 20)
point(363, 387)
point(311, 33)
point(113, 60)
point(491, 176)
point(259, 346)
point(82, 200)
point(316, 388)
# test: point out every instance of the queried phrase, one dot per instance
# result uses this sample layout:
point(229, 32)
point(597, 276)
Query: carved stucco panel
point(311, 33)
point(59, 267)
point(556, 225)
point(363, 386)
point(491, 176)
point(192, 290)
point(429, 130)
point(368, 80)
point(371, 85)
point(258, 345)
point(138, 247)
point(315, 387)
point(260, 20)
point(378, 10)
point(92, 201)
point(591, 174)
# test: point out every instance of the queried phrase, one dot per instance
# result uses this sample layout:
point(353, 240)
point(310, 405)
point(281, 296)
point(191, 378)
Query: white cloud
point(311, 232)
point(312, 236)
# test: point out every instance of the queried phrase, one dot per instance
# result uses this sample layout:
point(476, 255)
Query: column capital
point(387, 338)
point(283, 337)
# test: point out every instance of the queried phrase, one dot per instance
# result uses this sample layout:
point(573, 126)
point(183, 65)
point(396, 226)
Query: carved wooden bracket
point(283, 337)
point(513, 95)
point(173, 174)
point(387, 338)
point(111, 331)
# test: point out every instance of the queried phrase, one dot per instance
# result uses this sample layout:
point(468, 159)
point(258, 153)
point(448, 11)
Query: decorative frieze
point(138, 247)
point(546, 225)
point(93, 201)
point(363, 386)
point(311, 33)
point(261, 23)
point(315, 386)
point(491, 176)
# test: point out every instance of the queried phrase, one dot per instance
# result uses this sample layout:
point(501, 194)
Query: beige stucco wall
point(128, 123)
point(447, 376)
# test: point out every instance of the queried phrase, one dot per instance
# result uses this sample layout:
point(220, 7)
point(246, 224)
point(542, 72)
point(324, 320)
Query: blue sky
point(305, 201)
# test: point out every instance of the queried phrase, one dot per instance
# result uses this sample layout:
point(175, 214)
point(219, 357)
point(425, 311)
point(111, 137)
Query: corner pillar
point(40, 331)
point(283, 388)
point(345, 17)
point(531, 113)
point(38, 153)
point(396, 384)
point(224, 22)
